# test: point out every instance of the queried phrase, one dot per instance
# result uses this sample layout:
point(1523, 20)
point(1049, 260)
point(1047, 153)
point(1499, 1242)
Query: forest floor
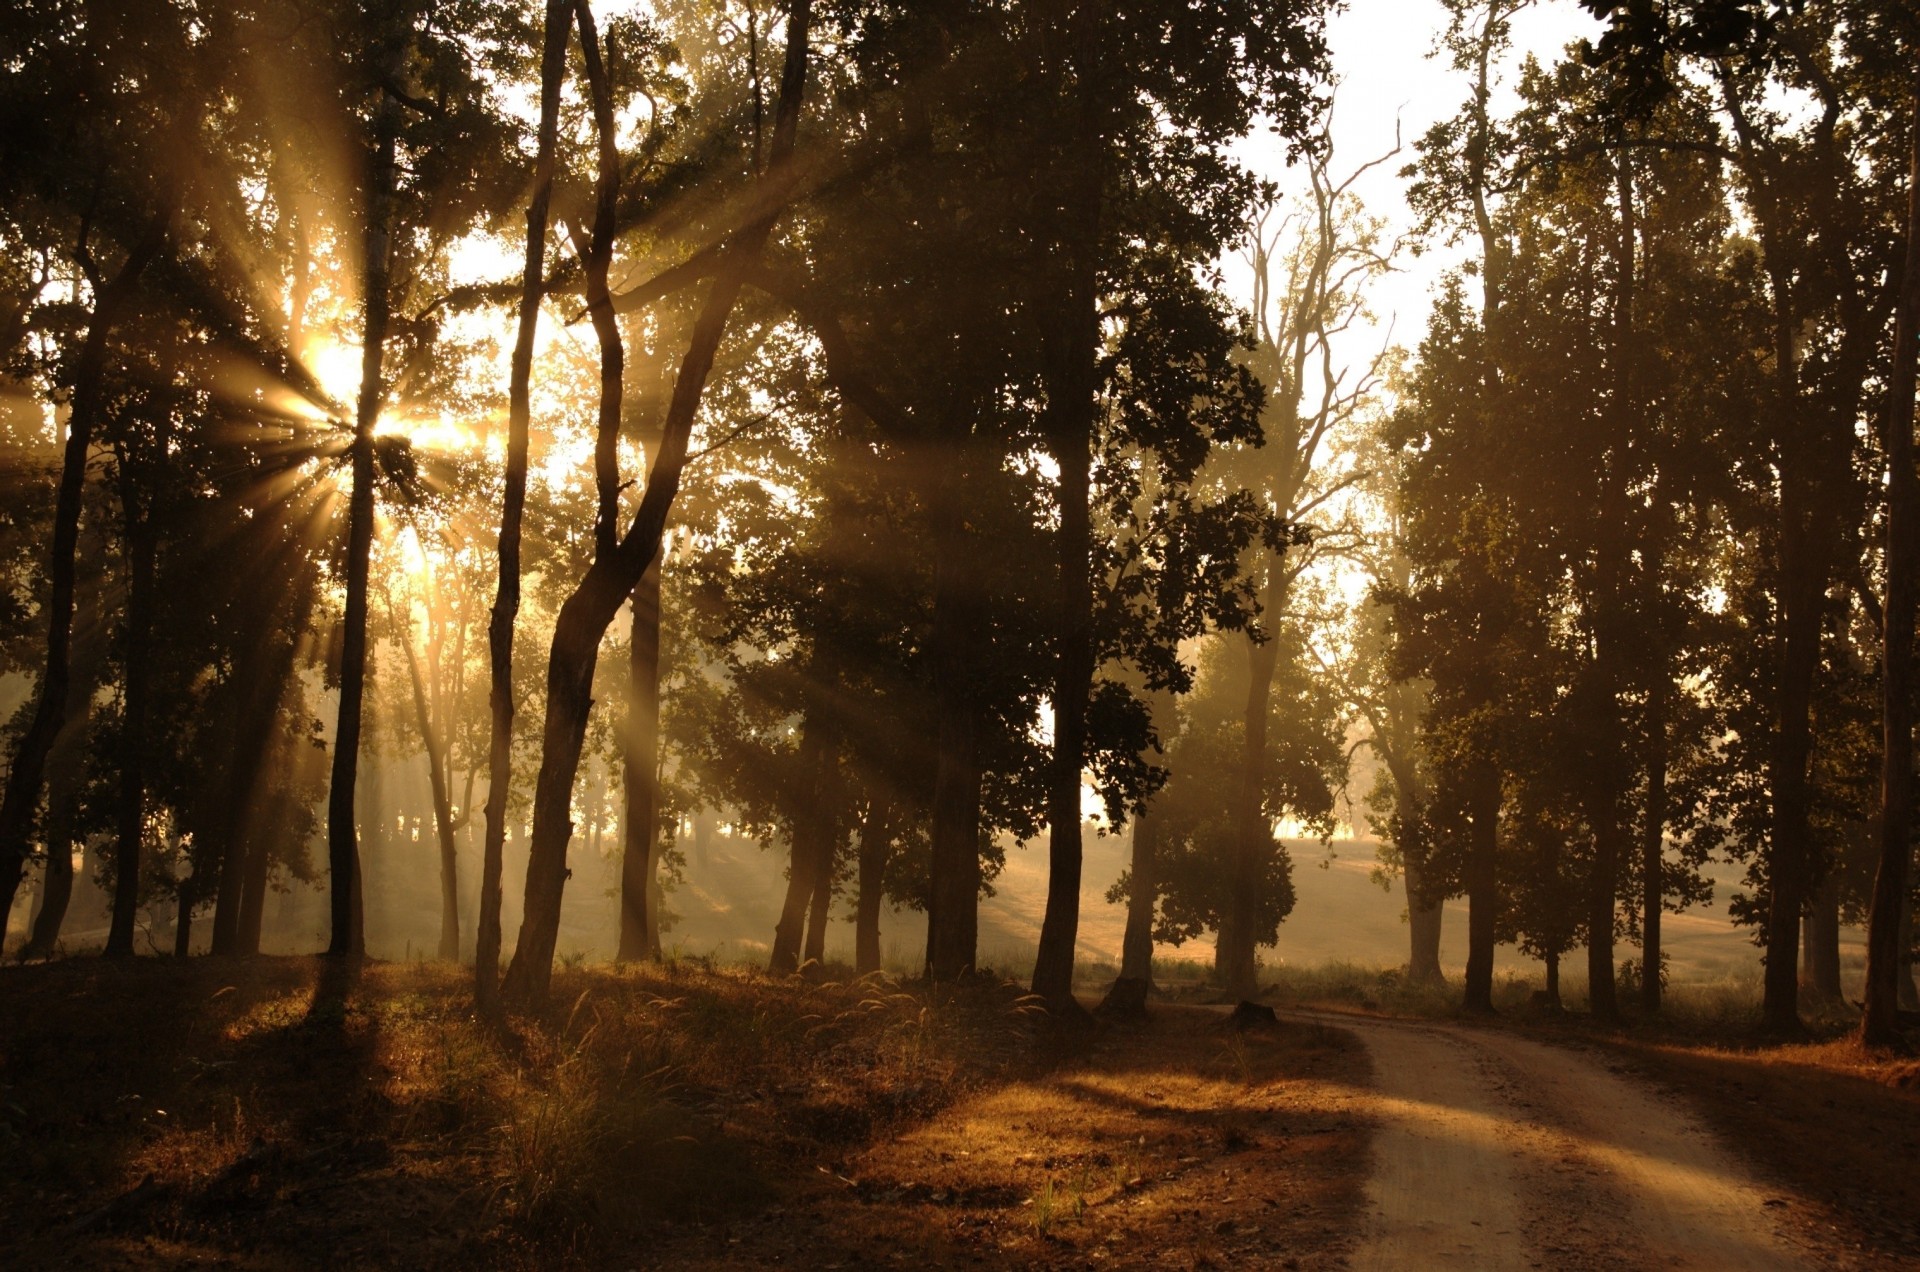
point(277, 1114)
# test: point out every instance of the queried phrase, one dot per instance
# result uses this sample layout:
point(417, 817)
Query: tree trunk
point(953, 903)
point(1423, 928)
point(506, 601)
point(1906, 994)
point(130, 821)
point(1653, 846)
point(56, 885)
point(67, 764)
point(585, 615)
point(876, 836)
point(640, 770)
point(1143, 892)
point(1483, 898)
point(183, 921)
point(808, 843)
point(1423, 912)
point(819, 908)
point(1880, 1025)
point(27, 773)
point(347, 939)
point(1799, 655)
point(438, 781)
point(1234, 961)
point(1072, 346)
point(1821, 969)
point(252, 742)
point(1553, 979)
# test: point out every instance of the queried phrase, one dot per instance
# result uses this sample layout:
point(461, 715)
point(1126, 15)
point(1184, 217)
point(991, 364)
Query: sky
point(1380, 53)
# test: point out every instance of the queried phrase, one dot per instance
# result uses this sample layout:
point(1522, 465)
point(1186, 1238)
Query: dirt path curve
point(1496, 1153)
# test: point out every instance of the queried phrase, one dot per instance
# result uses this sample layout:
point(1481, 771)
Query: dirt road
point(1495, 1153)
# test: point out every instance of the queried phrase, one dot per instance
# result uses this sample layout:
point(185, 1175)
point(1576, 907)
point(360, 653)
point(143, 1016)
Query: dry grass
point(272, 1114)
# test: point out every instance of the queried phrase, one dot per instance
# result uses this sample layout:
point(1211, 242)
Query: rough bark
point(1879, 1025)
point(586, 614)
point(26, 775)
point(506, 601)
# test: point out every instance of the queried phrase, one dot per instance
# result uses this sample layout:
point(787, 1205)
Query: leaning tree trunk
point(1879, 1026)
point(130, 819)
point(347, 940)
point(506, 601)
point(27, 773)
point(586, 614)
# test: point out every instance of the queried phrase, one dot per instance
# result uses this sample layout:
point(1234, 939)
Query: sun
point(336, 366)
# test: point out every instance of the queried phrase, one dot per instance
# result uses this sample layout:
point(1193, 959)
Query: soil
point(1496, 1152)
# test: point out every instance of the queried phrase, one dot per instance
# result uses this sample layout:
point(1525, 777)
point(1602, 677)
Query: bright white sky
point(1380, 52)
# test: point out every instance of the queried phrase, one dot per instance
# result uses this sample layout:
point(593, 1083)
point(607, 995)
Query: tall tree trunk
point(506, 601)
point(586, 614)
point(641, 771)
point(27, 773)
point(1483, 897)
point(1653, 846)
point(1234, 962)
point(1821, 963)
point(953, 904)
point(438, 782)
point(876, 835)
point(1799, 656)
point(1879, 1026)
point(130, 818)
point(1073, 343)
point(347, 939)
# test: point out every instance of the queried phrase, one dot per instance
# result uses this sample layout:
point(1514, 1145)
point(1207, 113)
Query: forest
point(471, 466)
